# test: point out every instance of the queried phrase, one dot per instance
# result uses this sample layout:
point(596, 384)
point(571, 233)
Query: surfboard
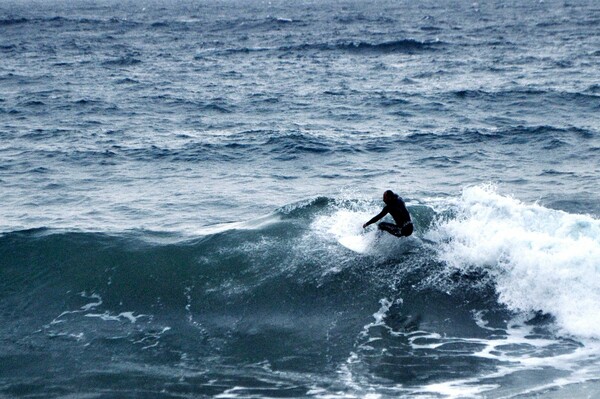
point(358, 243)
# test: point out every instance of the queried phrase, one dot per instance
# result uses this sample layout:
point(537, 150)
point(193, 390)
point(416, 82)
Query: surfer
point(394, 205)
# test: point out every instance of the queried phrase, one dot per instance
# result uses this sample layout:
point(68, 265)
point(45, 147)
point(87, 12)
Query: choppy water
point(178, 179)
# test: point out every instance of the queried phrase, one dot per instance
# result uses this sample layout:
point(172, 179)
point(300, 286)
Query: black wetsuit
point(403, 226)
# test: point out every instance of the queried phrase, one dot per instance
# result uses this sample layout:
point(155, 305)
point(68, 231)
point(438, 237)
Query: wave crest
point(539, 259)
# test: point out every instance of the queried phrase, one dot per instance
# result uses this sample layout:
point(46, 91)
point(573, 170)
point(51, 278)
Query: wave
point(551, 136)
point(537, 258)
point(8, 47)
point(127, 60)
point(587, 98)
point(13, 21)
point(225, 264)
point(288, 145)
point(409, 46)
point(488, 287)
point(594, 89)
point(126, 81)
point(217, 104)
point(298, 143)
point(268, 22)
point(406, 45)
point(482, 247)
point(240, 146)
point(62, 20)
point(351, 18)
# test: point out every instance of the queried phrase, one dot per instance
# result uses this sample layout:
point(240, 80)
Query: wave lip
point(539, 259)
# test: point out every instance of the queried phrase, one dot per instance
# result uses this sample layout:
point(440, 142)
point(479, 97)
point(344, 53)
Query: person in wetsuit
point(394, 205)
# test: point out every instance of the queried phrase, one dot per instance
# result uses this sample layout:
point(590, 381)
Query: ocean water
point(180, 183)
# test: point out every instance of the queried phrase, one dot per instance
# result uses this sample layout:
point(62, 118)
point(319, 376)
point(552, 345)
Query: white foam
point(107, 316)
point(466, 388)
point(581, 362)
point(380, 315)
point(254, 224)
point(343, 225)
point(540, 259)
point(91, 305)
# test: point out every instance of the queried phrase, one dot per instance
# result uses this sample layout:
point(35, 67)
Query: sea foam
point(540, 259)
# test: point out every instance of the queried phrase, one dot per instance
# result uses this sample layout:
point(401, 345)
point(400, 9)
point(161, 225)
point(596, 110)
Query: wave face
point(486, 290)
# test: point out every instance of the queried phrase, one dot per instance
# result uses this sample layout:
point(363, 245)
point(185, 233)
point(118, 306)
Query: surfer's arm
point(377, 217)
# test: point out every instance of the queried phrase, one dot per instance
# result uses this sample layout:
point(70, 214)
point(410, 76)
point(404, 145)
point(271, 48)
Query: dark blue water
point(183, 187)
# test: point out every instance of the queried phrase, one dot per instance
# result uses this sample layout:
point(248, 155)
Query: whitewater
point(183, 188)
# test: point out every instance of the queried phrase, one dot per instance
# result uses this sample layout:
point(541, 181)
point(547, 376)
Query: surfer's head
point(388, 196)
